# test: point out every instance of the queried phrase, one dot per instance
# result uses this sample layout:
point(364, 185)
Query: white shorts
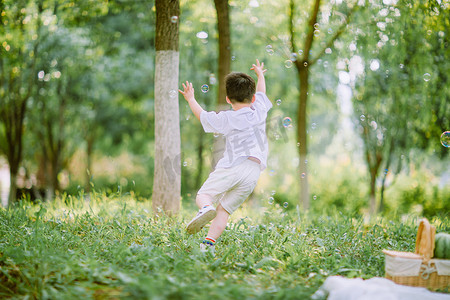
point(232, 186)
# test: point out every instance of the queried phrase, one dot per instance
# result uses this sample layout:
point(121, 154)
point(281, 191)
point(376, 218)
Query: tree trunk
point(89, 149)
point(13, 188)
point(302, 137)
point(224, 62)
point(167, 178)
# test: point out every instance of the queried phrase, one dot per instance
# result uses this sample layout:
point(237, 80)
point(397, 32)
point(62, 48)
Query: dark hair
point(240, 87)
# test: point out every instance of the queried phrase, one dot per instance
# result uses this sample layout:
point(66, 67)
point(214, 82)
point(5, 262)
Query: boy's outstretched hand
point(188, 92)
point(258, 68)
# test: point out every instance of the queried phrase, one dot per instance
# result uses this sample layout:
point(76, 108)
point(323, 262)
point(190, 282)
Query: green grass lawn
point(115, 247)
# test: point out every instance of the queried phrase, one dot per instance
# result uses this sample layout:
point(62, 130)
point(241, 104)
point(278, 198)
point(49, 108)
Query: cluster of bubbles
point(287, 122)
point(445, 139)
point(205, 88)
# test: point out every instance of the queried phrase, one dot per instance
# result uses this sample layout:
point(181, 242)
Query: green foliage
point(115, 247)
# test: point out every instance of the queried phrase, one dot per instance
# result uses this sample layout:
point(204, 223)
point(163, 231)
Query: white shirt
point(244, 131)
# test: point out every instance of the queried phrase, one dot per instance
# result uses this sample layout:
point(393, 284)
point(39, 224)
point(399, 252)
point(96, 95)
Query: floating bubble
point(278, 101)
point(212, 79)
point(174, 19)
point(269, 49)
point(316, 32)
point(305, 64)
point(330, 31)
point(429, 32)
point(386, 171)
point(313, 126)
point(426, 76)
point(271, 242)
point(287, 122)
point(362, 118)
point(328, 51)
point(172, 93)
point(315, 197)
point(445, 139)
point(185, 164)
point(316, 26)
point(288, 63)
point(300, 52)
point(298, 144)
point(293, 56)
point(233, 58)
point(285, 204)
point(202, 35)
point(303, 175)
point(306, 161)
point(272, 192)
point(401, 66)
point(272, 172)
point(271, 200)
point(205, 88)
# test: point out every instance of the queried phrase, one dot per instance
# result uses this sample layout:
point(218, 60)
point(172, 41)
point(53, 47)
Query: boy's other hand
point(188, 92)
point(258, 68)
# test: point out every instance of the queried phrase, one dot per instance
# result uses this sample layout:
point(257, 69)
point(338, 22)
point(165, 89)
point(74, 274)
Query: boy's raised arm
point(259, 71)
point(188, 94)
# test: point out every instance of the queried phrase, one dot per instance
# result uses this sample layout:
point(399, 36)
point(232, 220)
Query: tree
point(304, 60)
point(397, 84)
point(167, 178)
point(18, 54)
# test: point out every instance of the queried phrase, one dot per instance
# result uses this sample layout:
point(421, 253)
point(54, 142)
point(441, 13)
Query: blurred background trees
point(77, 99)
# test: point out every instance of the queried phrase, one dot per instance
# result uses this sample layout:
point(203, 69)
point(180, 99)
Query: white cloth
point(232, 186)
point(244, 131)
point(400, 266)
point(340, 288)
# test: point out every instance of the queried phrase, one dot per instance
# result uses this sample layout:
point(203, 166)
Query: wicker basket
point(418, 269)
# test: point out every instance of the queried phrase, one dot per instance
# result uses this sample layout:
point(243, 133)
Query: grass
point(115, 247)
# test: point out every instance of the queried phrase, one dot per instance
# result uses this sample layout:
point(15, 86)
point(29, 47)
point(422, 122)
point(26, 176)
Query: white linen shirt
point(244, 131)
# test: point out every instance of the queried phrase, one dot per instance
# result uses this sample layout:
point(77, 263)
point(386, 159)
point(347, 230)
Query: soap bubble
point(386, 171)
point(205, 88)
point(300, 52)
point(278, 101)
point(445, 139)
point(313, 126)
point(174, 19)
point(316, 32)
point(212, 79)
point(233, 58)
point(426, 76)
point(271, 200)
point(285, 204)
point(362, 118)
point(202, 35)
point(303, 175)
point(315, 197)
point(172, 93)
point(288, 63)
point(272, 192)
point(293, 56)
point(185, 164)
point(269, 49)
point(287, 122)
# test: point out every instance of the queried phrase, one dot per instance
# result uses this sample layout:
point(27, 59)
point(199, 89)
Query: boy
point(245, 154)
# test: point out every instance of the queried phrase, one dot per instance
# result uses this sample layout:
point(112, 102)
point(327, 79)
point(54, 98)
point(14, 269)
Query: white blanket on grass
point(340, 288)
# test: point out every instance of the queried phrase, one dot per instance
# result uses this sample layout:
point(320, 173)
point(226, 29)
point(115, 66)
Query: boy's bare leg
point(219, 223)
point(202, 200)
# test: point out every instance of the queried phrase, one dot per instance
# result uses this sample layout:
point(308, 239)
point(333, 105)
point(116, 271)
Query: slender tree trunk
point(224, 62)
point(89, 149)
point(13, 188)
point(167, 178)
point(302, 139)
point(198, 178)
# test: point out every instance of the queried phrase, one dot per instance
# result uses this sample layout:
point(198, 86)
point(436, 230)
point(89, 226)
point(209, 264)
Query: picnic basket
point(419, 268)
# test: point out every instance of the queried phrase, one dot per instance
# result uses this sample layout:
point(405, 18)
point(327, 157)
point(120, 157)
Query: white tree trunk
point(167, 179)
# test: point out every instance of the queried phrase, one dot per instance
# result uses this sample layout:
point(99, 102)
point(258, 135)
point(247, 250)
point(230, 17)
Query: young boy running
point(245, 155)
